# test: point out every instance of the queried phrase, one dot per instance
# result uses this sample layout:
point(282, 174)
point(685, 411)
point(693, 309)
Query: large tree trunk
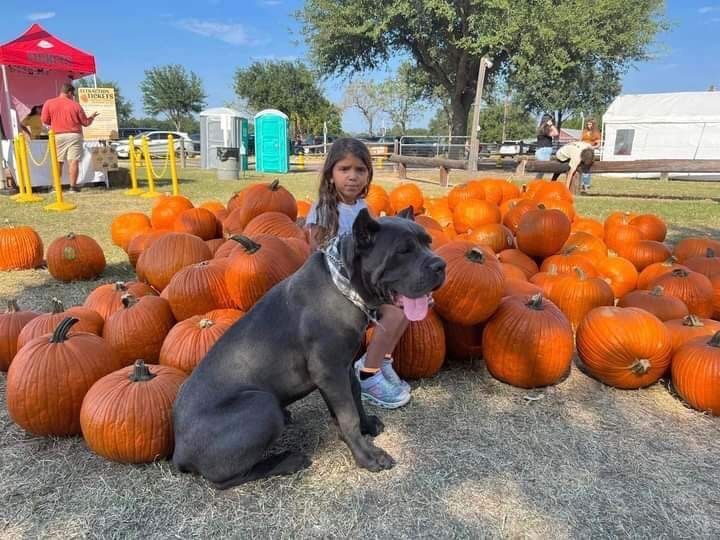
point(460, 111)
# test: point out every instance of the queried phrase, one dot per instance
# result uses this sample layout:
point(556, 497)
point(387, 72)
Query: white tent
point(683, 125)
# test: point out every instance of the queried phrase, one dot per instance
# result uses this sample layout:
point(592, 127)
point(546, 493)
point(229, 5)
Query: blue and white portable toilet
point(272, 144)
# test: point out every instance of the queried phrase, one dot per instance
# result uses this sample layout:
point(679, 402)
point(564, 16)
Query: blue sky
point(215, 37)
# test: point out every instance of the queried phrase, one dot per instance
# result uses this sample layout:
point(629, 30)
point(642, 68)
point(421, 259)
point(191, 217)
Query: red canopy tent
point(34, 66)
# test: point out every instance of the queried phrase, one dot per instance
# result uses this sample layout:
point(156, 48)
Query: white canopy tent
point(682, 125)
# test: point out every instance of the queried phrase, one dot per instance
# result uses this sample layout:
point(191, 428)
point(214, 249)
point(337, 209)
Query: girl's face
point(350, 176)
point(590, 125)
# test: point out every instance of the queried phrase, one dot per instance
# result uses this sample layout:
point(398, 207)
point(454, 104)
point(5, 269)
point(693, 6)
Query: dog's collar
point(339, 275)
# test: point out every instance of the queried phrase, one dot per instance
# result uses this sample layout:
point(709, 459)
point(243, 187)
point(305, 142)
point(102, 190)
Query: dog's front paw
point(372, 426)
point(375, 459)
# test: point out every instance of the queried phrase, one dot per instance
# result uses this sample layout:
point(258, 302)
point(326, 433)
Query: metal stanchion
point(151, 193)
point(59, 205)
point(173, 164)
point(134, 190)
point(29, 197)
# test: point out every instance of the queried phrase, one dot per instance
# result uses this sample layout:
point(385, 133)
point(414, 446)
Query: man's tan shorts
point(69, 146)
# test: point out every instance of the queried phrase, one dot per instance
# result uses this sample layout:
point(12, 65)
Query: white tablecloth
point(41, 176)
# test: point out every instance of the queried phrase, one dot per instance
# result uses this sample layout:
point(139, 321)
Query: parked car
point(196, 142)
point(157, 142)
point(512, 148)
point(124, 133)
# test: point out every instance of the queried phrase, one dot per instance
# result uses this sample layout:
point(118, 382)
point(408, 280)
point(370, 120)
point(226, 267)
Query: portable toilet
point(222, 127)
point(272, 145)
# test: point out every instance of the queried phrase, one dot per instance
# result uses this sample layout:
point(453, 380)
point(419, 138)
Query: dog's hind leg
point(281, 464)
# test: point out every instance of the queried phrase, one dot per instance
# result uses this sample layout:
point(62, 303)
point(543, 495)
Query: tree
point(172, 91)
point(587, 47)
point(292, 88)
point(122, 106)
point(505, 120)
point(367, 97)
point(401, 96)
point(446, 39)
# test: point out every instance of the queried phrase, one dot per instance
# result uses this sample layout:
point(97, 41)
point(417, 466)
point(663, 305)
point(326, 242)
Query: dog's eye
point(405, 248)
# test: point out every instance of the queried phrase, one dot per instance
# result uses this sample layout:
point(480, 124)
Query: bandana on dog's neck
point(339, 275)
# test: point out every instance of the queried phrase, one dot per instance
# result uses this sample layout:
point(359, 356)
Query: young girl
point(344, 183)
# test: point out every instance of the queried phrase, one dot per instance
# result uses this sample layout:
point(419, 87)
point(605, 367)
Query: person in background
point(580, 155)
point(32, 123)
point(591, 135)
point(67, 118)
point(546, 132)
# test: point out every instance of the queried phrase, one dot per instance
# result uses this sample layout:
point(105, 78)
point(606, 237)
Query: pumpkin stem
point(670, 260)
point(70, 236)
point(141, 372)
point(12, 306)
point(61, 330)
point(692, 320)
point(476, 255)
point(640, 366)
point(128, 300)
point(657, 290)
point(710, 253)
point(275, 184)
point(57, 306)
point(535, 302)
point(679, 272)
point(248, 245)
point(715, 340)
point(120, 286)
point(206, 323)
point(580, 273)
point(541, 206)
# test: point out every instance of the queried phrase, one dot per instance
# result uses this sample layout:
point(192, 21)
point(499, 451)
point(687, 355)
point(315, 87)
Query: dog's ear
point(364, 229)
point(407, 213)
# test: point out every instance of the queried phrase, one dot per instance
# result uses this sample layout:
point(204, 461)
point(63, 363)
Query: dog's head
point(393, 263)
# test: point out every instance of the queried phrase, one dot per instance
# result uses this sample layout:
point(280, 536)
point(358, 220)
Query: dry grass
point(475, 457)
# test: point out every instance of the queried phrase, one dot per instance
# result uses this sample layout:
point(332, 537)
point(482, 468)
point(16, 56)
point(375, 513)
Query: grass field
point(476, 458)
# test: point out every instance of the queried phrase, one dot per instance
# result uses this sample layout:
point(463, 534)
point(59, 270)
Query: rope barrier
point(164, 170)
point(44, 159)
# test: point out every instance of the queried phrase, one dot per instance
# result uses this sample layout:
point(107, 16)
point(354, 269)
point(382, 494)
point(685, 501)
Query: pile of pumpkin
point(528, 282)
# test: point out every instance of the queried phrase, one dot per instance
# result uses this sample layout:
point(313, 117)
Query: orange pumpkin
point(644, 253)
point(258, 199)
point(75, 257)
point(589, 226)
point(493, 235)
point(528, 342)
point(215, 206)
point(139, 329)
point(696, 373)
point(169, 254)
point(694, 247)
point(275, 224)
point(620, 273)
point(519, 259)
point(512, 217)
point(127, 415)
point(694, 289)
point(566, 261)
point(126, 226)
point(20, 248)
point(166, 210)
point(515, 287)
point(624, 347)
point(378, 200)
point(198, 288)
point(618, 237)
point(88, 321)
point(107, 299)
point(655, 270)
point(197, 221)
point(542, 232)
point(50, 376)
point(576, 294)
point(651, 226)
point(655, 301)
point(11, 324)
point(459, 193)
point(189, 341)
point(140, 242)
point(708, 264)
point(255, 266)
point(690, 327)
point(463, 342)
point(618, 218)
point(406, 195)
point(421, 350)
point(473, 284)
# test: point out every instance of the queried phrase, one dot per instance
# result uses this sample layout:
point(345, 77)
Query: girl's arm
point(312, 232)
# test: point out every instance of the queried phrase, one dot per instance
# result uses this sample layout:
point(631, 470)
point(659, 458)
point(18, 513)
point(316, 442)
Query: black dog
point(301, 336)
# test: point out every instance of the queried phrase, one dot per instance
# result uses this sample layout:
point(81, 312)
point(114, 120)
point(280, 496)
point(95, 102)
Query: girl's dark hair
point(542, 127)
point(327, 204)
point(36, 109)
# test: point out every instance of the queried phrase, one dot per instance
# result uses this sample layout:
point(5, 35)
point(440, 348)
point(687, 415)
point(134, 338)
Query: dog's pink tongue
point(415, 308)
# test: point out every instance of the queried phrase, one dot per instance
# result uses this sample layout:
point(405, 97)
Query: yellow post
point(18, 172)
point(135, 190)
point(29, 197)
point(301, 161)
point(173, 164)
point(151, 193)
point(59, 205)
